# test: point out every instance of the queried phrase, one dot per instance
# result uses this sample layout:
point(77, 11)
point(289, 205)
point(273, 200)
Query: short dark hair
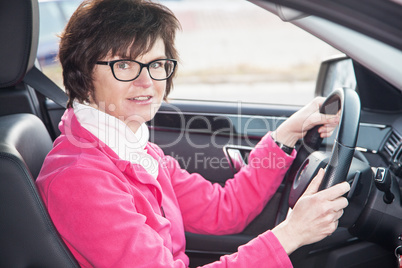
point(100, 27)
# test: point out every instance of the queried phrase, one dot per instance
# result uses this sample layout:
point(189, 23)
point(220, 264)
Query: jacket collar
point(118, 136)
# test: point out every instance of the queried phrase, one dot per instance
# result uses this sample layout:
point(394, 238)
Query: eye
point(156, 64)
point(123, 65)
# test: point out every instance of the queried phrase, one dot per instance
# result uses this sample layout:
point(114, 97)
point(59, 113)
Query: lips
point(141, 99)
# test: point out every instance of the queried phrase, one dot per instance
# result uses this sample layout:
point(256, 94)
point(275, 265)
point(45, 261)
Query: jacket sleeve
point(211, 209)
point(263, 251)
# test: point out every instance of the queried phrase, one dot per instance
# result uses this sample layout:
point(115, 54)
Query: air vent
point(398, 155)
point(391, 145)
point(397, 163)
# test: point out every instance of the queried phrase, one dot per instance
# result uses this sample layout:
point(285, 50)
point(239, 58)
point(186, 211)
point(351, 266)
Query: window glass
point(52, 21)
point(230, 50)
point(69, 7)
point(53, 18)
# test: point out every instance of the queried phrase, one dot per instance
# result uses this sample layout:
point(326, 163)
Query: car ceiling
point(381, 20)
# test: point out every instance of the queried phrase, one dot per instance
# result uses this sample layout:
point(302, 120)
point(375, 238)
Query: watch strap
point(287, 149)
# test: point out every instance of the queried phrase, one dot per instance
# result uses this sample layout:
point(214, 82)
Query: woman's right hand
point(314, 217)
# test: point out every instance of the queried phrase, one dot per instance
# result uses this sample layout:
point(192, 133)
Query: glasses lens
point(161, 69)
point(126, 70)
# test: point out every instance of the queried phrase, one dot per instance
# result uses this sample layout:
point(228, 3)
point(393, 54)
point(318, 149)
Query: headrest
point(19, 34)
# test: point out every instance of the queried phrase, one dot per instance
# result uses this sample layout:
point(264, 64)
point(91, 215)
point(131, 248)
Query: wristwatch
point(288, 150)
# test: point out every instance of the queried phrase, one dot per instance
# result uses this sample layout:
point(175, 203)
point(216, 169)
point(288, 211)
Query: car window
point(53, 15)
point(69, 7)
point(52, 21)
point(232, 50)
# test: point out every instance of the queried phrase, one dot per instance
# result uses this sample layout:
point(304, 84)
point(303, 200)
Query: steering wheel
point(309, 159)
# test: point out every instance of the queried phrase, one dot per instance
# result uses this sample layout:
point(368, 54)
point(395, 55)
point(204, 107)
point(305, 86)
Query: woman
point(115, 198)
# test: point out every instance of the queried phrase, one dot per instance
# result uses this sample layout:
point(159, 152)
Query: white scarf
point(118, 136)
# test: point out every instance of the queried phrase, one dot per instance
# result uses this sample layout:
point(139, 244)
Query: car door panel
point(197, 137)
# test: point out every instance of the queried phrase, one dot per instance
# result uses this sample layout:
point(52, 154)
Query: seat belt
point(41, 83)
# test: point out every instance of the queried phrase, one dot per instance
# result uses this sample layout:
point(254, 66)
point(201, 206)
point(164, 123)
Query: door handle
point(235, 157)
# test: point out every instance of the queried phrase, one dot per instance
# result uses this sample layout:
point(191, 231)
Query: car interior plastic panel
point(28, 237)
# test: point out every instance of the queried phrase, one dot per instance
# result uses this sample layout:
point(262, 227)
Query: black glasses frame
point(142, 65)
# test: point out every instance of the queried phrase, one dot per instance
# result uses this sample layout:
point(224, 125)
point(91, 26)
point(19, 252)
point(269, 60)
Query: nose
point(144, 80)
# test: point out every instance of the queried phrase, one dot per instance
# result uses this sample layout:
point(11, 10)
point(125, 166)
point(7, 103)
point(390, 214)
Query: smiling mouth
point(142, 98)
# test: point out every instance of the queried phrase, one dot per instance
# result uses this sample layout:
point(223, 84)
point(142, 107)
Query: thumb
point(315, 183)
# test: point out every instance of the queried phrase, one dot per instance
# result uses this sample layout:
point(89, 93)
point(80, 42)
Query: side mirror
point(336, 72)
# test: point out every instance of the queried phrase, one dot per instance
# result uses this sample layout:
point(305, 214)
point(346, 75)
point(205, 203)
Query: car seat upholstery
point(18, 45)
point(28, 237)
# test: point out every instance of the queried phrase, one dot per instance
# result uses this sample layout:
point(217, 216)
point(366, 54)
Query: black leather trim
point(19, 34)
point(26, 136)
point(28, 236)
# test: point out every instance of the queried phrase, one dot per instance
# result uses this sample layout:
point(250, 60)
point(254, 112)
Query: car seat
point(28, 237)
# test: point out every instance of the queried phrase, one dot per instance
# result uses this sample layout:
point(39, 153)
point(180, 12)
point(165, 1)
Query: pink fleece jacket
point(112, 213)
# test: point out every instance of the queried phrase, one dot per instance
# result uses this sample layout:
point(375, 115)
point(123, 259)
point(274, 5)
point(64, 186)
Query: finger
point(339, 203)
point(338, 214)
point(336, 191)
point(319, 101)
point(317, 118)
point(335, 226)
point(333, 118)
point(326, 134)
point(327, 129)
point(315, 183)
point(328, 126)
point(314, 119)
point(331, 122)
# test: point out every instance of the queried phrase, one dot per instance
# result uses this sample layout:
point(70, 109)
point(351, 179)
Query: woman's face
point(133, 102)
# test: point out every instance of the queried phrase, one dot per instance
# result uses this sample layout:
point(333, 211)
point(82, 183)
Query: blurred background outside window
point(230, 50)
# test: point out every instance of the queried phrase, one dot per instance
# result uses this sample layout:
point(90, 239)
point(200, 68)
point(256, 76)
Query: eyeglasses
point(129, 70)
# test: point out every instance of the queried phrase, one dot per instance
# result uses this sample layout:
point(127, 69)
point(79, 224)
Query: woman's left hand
point(296, 126)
